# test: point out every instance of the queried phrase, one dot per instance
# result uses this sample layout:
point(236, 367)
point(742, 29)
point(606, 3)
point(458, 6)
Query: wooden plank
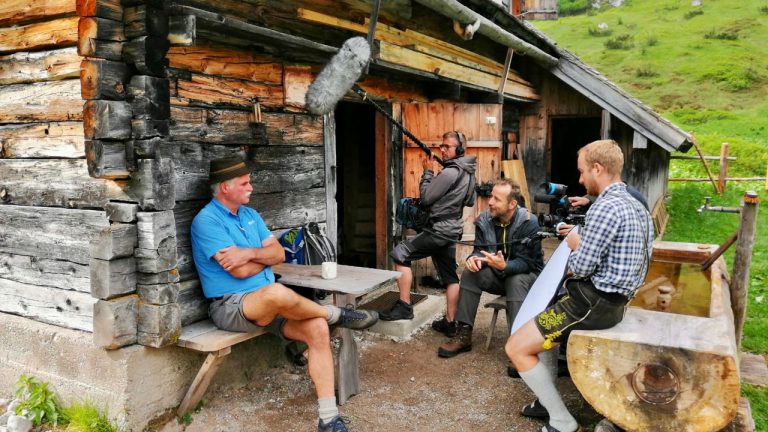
point(110, 279)
point(215, 126)
point(149, 97)
point(15, 12)
point(194, 307)
point(121, 212)
point(65, 308)
point(110, 9)
point(42, 140)
point(218, 90)
point(330, 180)
point(191, 165)
point(54, 273)
point(152, 184)
point(639, 141)
point(226, 63)
point(29, 67)
point(104, 119)
point(296, 82)
point(56, 183)
point(103, 79)
point(291, 208)
point(293, 129)
point(515, 170)
point(203, 336)
point(350, 280)
point(279, 169)
point(202, 381)
point(405, 57)
point(115, 322)
point(47, 101)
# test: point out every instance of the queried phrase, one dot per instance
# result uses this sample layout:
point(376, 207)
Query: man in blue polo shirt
point(233, 252)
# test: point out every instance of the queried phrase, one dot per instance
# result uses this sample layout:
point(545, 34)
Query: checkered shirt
point(616, 242)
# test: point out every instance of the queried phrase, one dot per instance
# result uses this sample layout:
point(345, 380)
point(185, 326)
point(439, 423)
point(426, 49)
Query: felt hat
point(227, 169)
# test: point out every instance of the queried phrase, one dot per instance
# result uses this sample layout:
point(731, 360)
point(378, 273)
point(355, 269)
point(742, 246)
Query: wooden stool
point(498, 304)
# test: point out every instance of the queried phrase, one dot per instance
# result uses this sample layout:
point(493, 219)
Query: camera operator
point(610, 259)
point(585, 201)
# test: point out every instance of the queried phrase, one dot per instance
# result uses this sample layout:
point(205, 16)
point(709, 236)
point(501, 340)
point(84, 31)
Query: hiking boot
point(445, 327)
point(337, 424)
point(461, 342)
point(357, 319)
point(399, 311)
point(535, 410)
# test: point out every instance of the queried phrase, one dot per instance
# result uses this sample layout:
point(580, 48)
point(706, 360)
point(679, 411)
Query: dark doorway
point(356, 183)
point(568, 135)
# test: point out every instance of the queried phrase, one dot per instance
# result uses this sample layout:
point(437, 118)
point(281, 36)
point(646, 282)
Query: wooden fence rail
point(722, 176)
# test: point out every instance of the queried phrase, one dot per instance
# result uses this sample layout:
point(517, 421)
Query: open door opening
point(356, 184)
point(568, 135)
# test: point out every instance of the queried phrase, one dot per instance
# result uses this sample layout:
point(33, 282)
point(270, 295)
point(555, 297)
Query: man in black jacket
point(506, 260)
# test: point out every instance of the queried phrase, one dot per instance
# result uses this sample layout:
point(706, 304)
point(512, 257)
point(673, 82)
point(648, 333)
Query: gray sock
point(542, 383)
point(334, 314)
point(327, 409)
point(549, 359)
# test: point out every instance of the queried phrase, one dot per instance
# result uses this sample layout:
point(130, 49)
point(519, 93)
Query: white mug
point(329, 270)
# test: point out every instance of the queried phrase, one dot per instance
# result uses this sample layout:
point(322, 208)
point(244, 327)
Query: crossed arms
point(245, 262)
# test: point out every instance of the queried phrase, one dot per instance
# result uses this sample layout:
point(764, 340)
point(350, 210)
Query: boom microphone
point(338, 76)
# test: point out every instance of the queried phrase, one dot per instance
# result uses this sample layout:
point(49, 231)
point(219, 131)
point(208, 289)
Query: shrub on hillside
point(573, 7)
point(728, 34)
point(693, 13)
point(621, 42)
point(599, 32)
point(646, 71)
point(763, 9)
point(734, 77)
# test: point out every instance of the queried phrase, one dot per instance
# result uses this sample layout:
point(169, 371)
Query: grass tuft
point(646, 71)
point(728, 34)
point(621, 42)
point(693, 13)
point(86, 417)
point(599, 32)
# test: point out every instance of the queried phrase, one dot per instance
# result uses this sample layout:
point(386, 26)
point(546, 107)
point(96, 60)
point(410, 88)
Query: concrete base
point(424, 313)
point(135, 384)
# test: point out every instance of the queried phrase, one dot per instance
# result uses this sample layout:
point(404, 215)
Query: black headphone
point(462, 143)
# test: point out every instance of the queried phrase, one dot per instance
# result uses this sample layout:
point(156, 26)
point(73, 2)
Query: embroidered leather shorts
point(583, 307)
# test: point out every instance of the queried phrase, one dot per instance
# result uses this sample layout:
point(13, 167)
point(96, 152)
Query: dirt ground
point(405, 387)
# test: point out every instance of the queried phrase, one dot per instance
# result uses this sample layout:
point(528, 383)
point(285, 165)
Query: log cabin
point(110, 111)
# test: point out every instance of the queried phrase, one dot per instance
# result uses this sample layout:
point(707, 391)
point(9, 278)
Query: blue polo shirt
point(216, 228)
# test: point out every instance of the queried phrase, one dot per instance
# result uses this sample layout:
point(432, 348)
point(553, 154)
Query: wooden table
point(350, 284)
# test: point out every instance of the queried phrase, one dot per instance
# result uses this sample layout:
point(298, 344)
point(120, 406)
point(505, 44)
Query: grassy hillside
point(705, 68)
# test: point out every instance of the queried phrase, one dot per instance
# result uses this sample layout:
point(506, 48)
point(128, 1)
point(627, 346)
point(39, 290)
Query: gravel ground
point(405, 387)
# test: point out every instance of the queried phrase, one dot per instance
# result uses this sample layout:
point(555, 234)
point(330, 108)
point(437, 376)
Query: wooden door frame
point(386, 185)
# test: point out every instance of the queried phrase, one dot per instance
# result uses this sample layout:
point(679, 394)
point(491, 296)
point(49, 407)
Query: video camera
point(560, 210)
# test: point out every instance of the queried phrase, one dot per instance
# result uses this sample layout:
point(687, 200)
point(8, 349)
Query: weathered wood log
point(213, 90)
point(191, 165)
point(54, 273)
point(95, 48)
point(296, 82)
point(103, 79)
point(153, 3)
point(56, 183)
point(165, 277)
point(144, 20)
point(662, 371)
point(64, 308)
point(110, 279)
point(293, 129)
point(148, 148)
point(101, 29)
point(214, 126)
point(121, 212)
point(103, 119)
point(159, 294)
point(227, 63)
point(29, 67)
point(48, 101)
point(106, 159)
point(183, 214)
point(193, 305)
point(15, 12)
point(157, 260)
point(110, 9)
point(149, 97)
point(154, 228)
point(291, 208)
point(182, 30)
point(143, 128)
point(152, 184)
point(742, 261)
point(115, 322)
point(116, 241)
point(57, 33)
point(159, 326)
point(46, 140)
point(279, 169)
point(147, 53)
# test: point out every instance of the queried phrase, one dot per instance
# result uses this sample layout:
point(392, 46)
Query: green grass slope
point(705, 68)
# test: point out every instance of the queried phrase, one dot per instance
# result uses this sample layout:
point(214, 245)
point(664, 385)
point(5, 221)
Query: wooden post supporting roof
point(742, 261)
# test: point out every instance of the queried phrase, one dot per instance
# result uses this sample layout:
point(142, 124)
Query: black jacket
point(525, 255)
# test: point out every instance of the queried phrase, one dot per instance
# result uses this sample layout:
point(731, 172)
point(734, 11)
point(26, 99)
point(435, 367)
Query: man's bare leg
point(263, 305)
point(404, 282)
point(452, 301)
point(314, 332)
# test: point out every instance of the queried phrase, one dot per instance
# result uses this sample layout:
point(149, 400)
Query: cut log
point(54, 273)
point(46, 140)
point(147, 53)
point(57, 33)
point(110, 279)
point(159, 294)
point(106, 159)
point(662, 371)
point(149, 97)
point(103, 119)
point(101, 29)
point(159, 326)
point(143, 128)
point(148, 148)
point(49, 101)
point(55, 183)
point(166, 277)
point(182, 30)
point(154, 228)
point(183, 214)
point(152, 184)
point(145, 20)
point(116, 241)
point(15, 12)
point(296, 82)
point(293, 129)
point(115, 322)
point(214, 126)
point(291, 208)
point(282, 169)
point(94, 48)
point(226, 63)
point(121, 212)
point(103, 79)
point(30, 67)
point(213, 90)
point(65, 308)
point(110, 9)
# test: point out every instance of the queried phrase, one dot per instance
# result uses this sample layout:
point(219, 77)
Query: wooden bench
point(204, 336)
point(497, 304)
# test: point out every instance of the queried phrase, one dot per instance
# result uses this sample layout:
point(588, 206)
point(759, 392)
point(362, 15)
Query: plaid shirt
point(616, 242)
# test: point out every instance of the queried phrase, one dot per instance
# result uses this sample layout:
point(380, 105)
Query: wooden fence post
point(742, 260)
point(723, 174)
